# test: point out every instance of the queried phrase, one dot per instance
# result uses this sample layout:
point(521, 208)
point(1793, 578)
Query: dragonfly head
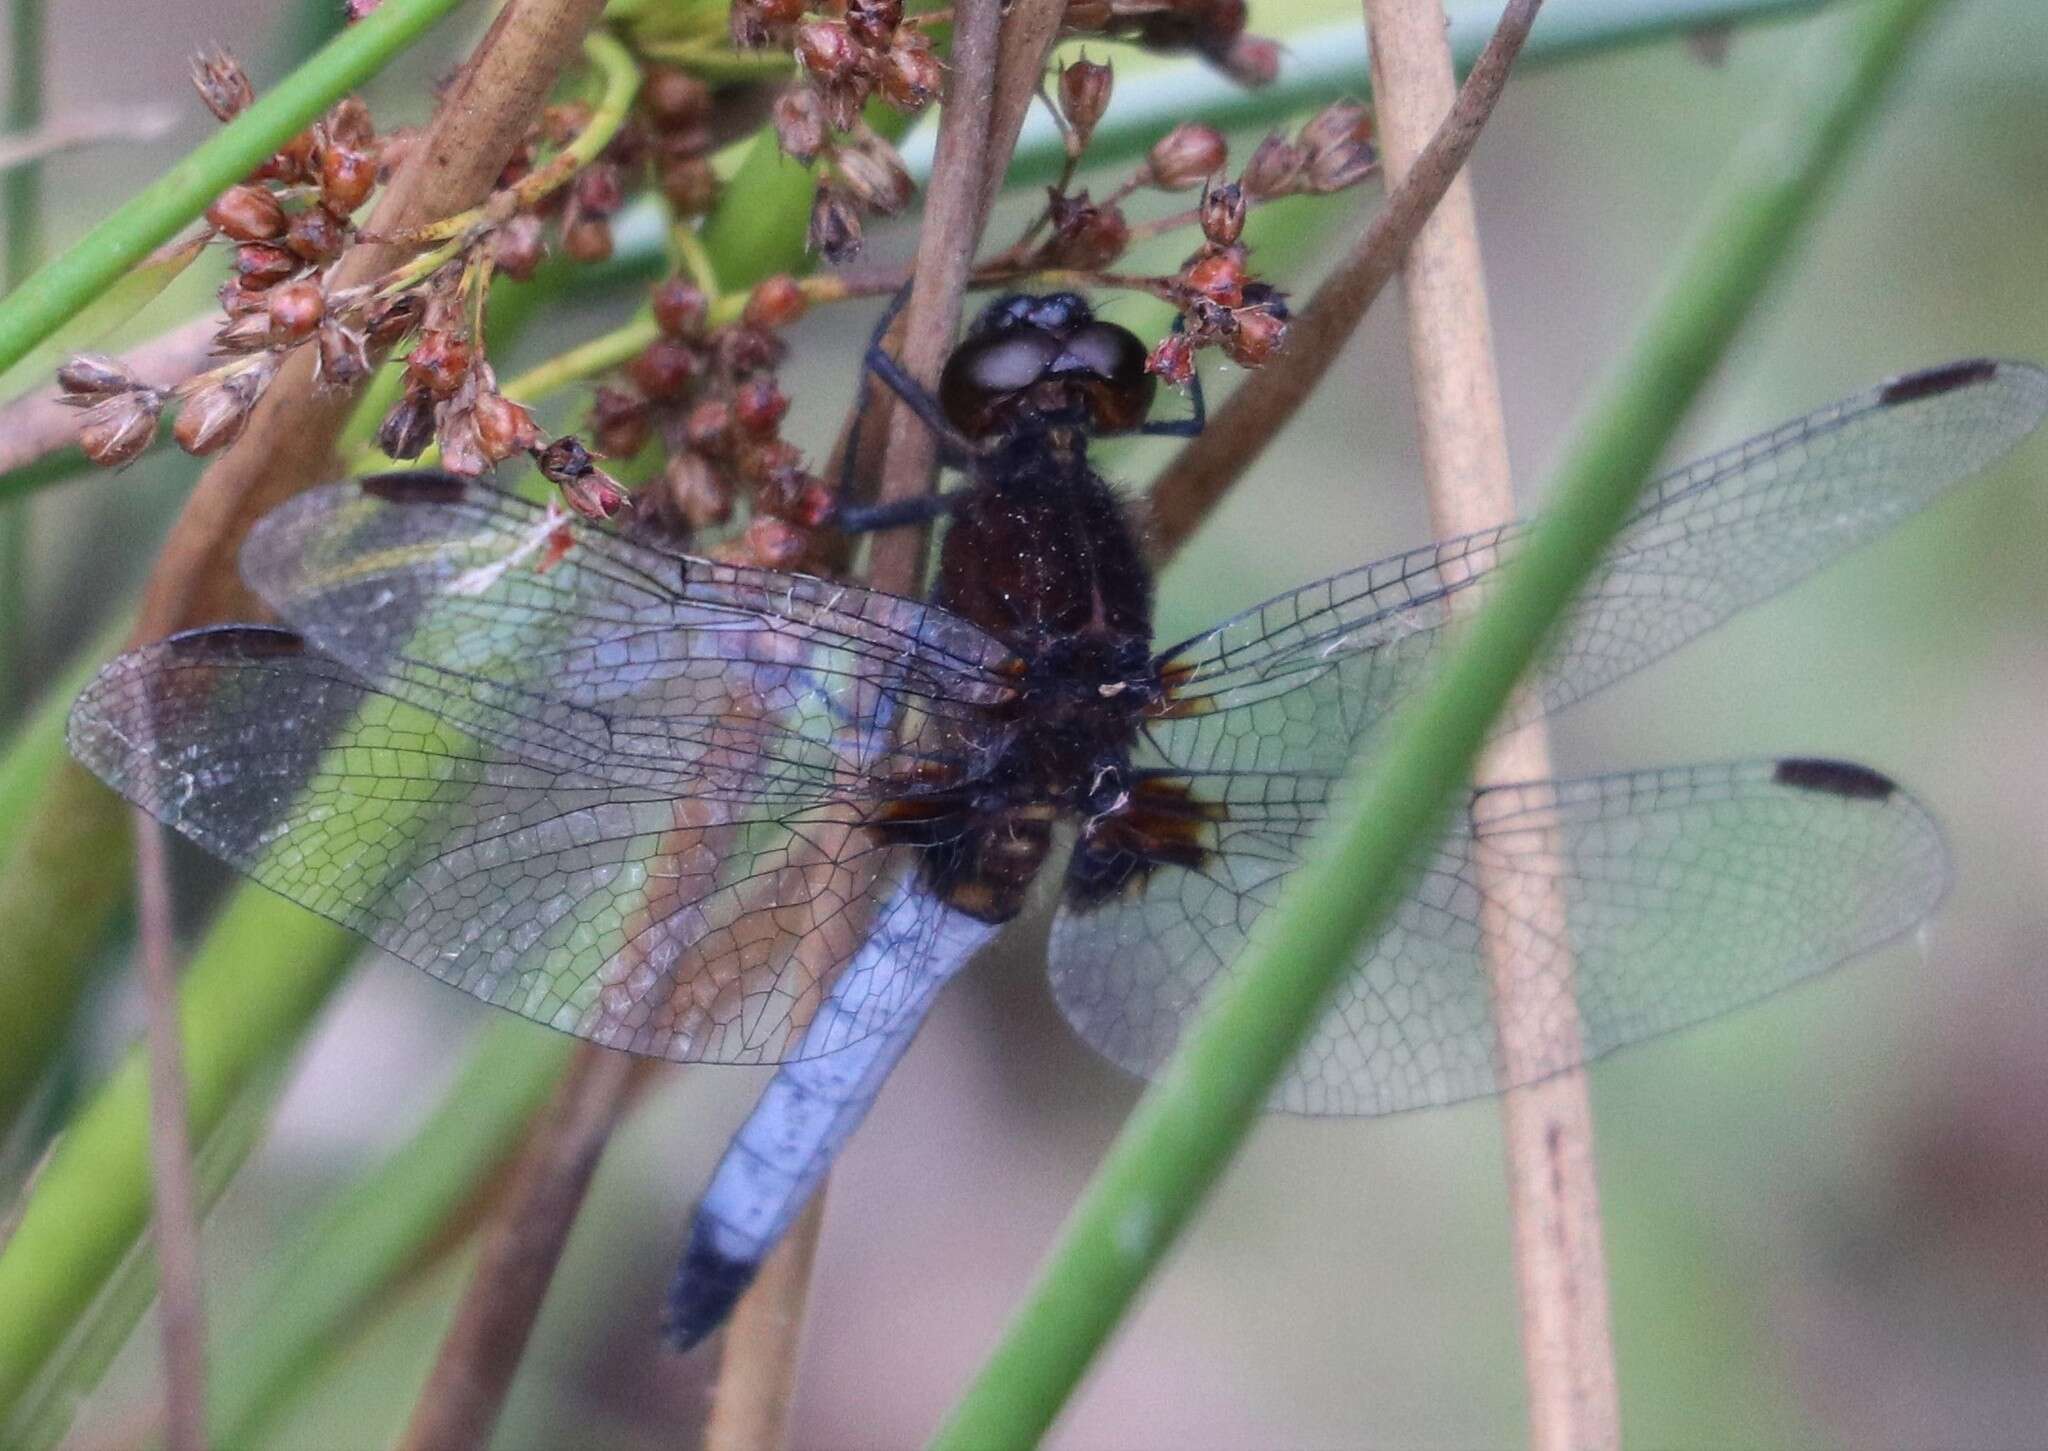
point(1032, 363)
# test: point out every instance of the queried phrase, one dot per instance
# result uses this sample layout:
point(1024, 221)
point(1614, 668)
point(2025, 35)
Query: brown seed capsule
point(409, 427)
point(390, 321)
point(292, 162)
point(912, 77)
point(585, 487)
point(664, 370)
point(1173, 359)
point(1258, 335)
point(1218, 276)
point(1276, 167)
point(1336, 167)
point(115, 431)
point(261, 265)
point(462, 451)
point(222, 84)
point(1084, 235)
point(1337, 123)
point(773, 544)
point(800, 123)
point(835, 230)
point(693, 493)
point(826, 49)
point(1223, 213)
point(587, 239)
point(317, 235)
point(775, 302)
point(343, 358)
point(758, 406)
point(519, 247)
point(619, 423)
point(1086, 15)
point(211, 417)
point(1084, 96)
point(247, 333)
point(1185, 156)
point(439, 361)
point(673, 99)
point(688, 184)
point(348, 124)
point(745, 349)
point(295, 310)
point(87, 376)
point(875, 174)
point(873, 22)
point(247, 214)
point(1252, 61)
point(504, 428)
point(680, 308)
point(707, 427)
point(346, 178)
point(598, 190)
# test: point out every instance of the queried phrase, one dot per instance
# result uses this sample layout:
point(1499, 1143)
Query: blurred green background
point(1827, 1216)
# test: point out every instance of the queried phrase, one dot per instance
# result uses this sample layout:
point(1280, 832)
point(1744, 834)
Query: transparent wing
point(575, 648)
point(1302, 681)
point(676, 927)
point(1687, 892)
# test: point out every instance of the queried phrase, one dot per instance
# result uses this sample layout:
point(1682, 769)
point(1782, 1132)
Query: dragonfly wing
point(1303, 681)
point(1687, 891)
point(672, 926)
point(573, 646)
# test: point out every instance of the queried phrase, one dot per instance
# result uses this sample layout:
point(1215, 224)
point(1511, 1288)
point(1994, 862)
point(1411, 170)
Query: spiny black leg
point(923, 509)
point(955, 447)
point(851, 457)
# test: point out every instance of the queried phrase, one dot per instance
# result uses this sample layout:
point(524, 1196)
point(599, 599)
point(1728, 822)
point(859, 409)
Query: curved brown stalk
point(1553, 1195)
point(1198, 477)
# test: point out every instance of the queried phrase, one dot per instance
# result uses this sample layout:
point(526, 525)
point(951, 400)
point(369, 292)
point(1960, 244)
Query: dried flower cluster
point(848, 52)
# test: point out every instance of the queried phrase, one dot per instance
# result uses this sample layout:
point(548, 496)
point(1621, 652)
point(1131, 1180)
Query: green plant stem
point(21, 205)
point(1188, 1125)
point(31, 312)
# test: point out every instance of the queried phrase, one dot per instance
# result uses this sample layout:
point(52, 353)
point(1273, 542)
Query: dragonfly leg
point(813, 1105)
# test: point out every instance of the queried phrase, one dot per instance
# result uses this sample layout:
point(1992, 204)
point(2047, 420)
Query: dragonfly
point(712, 813)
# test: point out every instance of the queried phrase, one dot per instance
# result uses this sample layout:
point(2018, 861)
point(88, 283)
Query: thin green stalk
point(42, 304)
point(21, 205)
point(1185, 1129)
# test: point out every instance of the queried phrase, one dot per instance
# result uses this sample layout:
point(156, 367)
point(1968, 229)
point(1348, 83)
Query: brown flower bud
point(800, 123)
point(588, 239)
point(1217, 276)
point(292, 162)
point(844, 97)
point(388, 322)
point(1252, 61)
point(758, 406)
point(346, 178)
point(1084, 235)
point(775, 302)
point(826, 49)
point(680, 308)
point(212, 416)
point(875, 174)
point(462, 450)
point(835, 230)
point(1259, 334)
point(619, 423)
point(779, 12)
point(84, 377)
point(1337, 123)
point(248, 332)
point(295, 310)
point(1084, 96)
point(247, 214)
point(504, 428)
point(409, 427)
point(222, 84)
point(664, 370)
point(673, 99)
point(1173, 359)
point(598, 190)
point(707, 428)
point(1276, 167)
point(1185, 156)
point(317, 235)
point(1086, 15)
point(343, 359)
point(115, 431)
point(1223, 213)
point(688, 184)
point(873, 22)
point(262, 265)
point(585, 487)
point(773, 544)
point(911, 77)
point(519, 247)
point(348, 124)
point(693, 493)
point(439, 362)
point(1336, 167)
point(747, 348)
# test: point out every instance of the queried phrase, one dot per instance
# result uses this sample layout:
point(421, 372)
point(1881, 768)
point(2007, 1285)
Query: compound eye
point(984, 373)
point(1108, 363)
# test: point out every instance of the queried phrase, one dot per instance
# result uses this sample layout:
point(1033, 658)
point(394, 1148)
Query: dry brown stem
point(757, 1373)
point(1553, 1195)
point(175, 1212)
point(530, 1225)
point(1199, 476)
point(289, 442)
